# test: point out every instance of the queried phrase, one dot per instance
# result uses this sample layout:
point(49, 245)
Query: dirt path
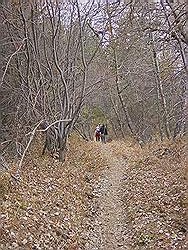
point(113, 196)
point(138, 202)
point(107, 226)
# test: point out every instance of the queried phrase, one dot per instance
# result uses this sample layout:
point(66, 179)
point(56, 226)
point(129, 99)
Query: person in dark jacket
point(104, 133)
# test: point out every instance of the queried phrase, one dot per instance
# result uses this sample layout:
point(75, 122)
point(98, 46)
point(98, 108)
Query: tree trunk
point(160, 91)
point(124, 107)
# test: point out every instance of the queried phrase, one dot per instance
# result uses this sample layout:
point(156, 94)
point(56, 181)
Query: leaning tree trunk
point(124, 107)
point(173, 17)
point(160, 90)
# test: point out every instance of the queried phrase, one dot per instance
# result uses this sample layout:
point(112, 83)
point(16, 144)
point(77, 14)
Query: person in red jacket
point(97, 133)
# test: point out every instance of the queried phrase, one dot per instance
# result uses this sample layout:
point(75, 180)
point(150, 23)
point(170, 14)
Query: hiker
point(97, 133)
point(104, 133)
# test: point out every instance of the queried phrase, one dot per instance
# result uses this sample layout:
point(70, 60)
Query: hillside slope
point(49, 208)
point(113, 196)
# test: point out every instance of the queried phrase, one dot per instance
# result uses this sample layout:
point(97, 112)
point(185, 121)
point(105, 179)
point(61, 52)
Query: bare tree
point(49, 64)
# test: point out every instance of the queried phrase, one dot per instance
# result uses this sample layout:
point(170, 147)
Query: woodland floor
point(105, 196)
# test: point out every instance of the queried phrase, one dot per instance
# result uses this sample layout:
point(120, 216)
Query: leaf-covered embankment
point(66, 206)
point(49, 208)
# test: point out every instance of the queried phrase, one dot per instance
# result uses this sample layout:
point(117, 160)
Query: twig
point(30, 140)
point(32, 136)
point(65, 120)
point(6, 68)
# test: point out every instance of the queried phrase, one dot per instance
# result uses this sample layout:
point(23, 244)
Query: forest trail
point(111, 196)
point(138, 200)
point(108, 225)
